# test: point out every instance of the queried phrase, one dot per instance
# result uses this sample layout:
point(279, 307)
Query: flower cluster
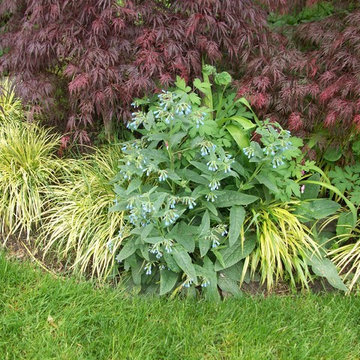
point(138, 118)
point(170, 217)
point(213, 236)
point(275, 141)
point(140, 210)
point(206, 148)
point(158, 248)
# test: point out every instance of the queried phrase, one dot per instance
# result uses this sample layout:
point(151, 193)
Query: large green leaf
point(128, 249)
point(146, 231)
point(237, 216)
point(345, 223)
point(239, 135)
point(233, 254)
point(193, 176)
point(205, 224)
point(265, 180)
point(337, 192)
point(230, 198)
point(211, 291)
point(202, 86)
point(136, 269)
point(244, 122)
point(184, 235)
point(184, 261)
point(171, 263)
point(311, 191)
point(168, 280)
point(318, 209)
point(332, 154)
point(204, 242)
point(325, 268)
point(229, 286)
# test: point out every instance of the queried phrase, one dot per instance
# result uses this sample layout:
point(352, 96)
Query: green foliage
point(187, 186)
point(77, 227)
point(324, 267)
point(318, 11)
point(347, 180)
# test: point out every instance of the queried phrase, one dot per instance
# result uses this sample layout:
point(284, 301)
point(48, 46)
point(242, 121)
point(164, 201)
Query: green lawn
point(46, 318)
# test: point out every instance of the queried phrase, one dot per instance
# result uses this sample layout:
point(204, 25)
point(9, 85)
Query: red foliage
point(99, 55)
point(110, 53)
point(318, 86)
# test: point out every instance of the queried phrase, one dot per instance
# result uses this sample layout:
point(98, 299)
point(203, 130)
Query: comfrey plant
point(187, 183)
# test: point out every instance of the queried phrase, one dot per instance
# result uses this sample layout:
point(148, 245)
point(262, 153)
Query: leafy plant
point(77, 227)
point(27, 167)
point(347, 180)
point(187, 185)
point(316, 12)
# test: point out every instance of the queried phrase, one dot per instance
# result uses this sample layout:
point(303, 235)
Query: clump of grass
point(10, 106)
point(347, 256)
point(27, 167)
point(78, 227)
point(283, 246)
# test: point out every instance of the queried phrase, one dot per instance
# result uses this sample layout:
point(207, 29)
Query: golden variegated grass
point(347, 256)
point(10, 106)
point(283, 246)
point(78, 227)
point(27, 167)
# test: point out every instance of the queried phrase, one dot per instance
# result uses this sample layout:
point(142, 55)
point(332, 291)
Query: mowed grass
point(42, 317)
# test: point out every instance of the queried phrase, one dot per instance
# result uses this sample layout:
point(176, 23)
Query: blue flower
point(133, 217)
point(163, 175)
point(276, 162)
point(168, 243)
point(212, 165)
point(132, 125)
point(170, 217)
point(148, 207)
point(214, 184)
point(205, 283)
point(211, 197)
point(204, 151)
point(110, 246)
point(189, 201)
point(215, 243)
point(187, 283)
point(249, 152)
point(183, 109)
point(148, 269)
point(172, 202)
